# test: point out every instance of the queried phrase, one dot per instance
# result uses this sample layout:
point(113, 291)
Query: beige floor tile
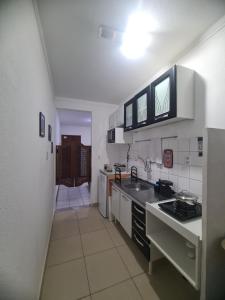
point(67, 281)
point(145, 288)
point(63, 250)
point(105, 269)
point(85, 212)
point(64, 229)
point(90, 224)
point(96, 241)
point(134, 260)
point(122, 291)
point(86, 298)
point(65, 215)
point(116, 235)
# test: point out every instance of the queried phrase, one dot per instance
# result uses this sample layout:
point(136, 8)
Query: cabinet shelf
point(173, 247)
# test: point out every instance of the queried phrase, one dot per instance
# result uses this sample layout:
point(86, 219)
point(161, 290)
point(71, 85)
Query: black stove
point(182, 211)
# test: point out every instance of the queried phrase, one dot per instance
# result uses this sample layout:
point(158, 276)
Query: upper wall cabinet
point(169, 98)
point(163, 96)
point(172, 95)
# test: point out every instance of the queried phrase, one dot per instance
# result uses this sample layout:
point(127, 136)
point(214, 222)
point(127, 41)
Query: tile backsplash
point(186, 173)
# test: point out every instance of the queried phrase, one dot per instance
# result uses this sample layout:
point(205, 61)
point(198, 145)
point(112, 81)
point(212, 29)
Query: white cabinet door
point(102, 194)
point(115, 203)
point(125, 213)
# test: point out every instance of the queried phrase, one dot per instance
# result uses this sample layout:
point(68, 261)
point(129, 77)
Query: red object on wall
point(168, 158)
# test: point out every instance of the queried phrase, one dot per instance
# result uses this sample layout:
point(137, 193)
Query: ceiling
point(74, 117)
point(86, 67)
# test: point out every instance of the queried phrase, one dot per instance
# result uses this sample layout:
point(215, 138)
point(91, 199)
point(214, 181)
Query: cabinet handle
point(138, 210)
point(139, 226)
point(140, 243)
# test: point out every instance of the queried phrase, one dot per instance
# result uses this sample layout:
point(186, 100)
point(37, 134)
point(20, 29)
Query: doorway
point(73, 158)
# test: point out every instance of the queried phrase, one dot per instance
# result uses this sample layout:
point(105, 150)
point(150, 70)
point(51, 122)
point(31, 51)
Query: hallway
point(91, 258)
point(69, 197)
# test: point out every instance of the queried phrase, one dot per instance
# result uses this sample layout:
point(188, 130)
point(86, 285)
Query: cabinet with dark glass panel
point(163, 96)
point(172, 95)
point(169, 98)
point(129, 118)
point(142, 108)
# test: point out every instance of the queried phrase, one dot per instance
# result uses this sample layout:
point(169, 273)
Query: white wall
point(100, 120)
point(57, 129)
point(26, 175)
point(84, 131)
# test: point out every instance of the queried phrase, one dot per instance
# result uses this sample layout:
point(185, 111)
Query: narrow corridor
point(69, 197)
point(91, 258)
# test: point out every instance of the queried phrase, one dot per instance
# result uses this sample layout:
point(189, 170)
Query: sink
point(137, 186)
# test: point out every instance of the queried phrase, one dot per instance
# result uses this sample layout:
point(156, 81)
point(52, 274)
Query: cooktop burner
point(182, 211)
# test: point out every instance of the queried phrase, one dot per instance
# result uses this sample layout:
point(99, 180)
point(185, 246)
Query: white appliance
point(102, 195)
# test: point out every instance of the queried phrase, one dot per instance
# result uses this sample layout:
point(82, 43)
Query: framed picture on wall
point(41, 125)
point(49, 133)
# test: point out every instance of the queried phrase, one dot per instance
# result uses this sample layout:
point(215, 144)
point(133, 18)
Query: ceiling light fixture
point(136, 38)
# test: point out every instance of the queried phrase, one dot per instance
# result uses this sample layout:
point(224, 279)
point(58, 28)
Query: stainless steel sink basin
point(137, 186)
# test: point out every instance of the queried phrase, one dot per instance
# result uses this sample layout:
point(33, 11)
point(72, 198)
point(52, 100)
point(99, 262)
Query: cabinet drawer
point(139, 227)
point(138, 212)
point(141, 244)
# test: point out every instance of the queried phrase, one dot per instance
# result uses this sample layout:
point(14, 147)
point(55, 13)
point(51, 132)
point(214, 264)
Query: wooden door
point(73, 162)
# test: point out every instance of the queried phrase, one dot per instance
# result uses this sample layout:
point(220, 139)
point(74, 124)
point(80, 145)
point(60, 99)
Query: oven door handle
point(140, 243)
point(138, 210)
point(139, 226)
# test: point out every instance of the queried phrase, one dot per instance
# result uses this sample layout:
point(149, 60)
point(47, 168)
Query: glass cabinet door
point(163, 95)
point(129, 115)
point(142, 109)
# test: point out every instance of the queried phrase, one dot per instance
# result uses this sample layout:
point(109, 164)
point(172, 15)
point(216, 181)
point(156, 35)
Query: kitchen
point(151, 76)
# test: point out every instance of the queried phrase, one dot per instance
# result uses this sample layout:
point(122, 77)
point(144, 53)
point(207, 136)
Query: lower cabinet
point(125, 213)
point(121, 209)
point(116, 203)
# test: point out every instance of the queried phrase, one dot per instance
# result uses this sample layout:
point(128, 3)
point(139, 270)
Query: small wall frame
point(49, 133)
point(41, 124)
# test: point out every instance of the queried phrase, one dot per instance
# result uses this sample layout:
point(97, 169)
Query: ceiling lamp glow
point(136, 38)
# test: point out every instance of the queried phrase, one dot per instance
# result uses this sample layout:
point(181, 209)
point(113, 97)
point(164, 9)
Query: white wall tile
point(174, 179)
point(196, 187)
point(182, 157)
point(174, 170)
point(172, 144)
point(183, 183)
point(183, 170)
point(164, 176)
point(196, 160)
point(183, 144)
point(196, 173)
point(175, 157)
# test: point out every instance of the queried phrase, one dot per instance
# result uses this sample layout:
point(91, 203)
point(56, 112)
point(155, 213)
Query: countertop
point(193, 226)
point(141, 197)
point(112, 173)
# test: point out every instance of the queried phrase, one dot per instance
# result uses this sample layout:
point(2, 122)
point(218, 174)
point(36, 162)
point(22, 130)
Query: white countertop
point(191, 227)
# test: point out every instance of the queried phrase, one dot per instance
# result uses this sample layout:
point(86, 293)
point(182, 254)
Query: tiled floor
point(92, 259)
point(69, 197)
